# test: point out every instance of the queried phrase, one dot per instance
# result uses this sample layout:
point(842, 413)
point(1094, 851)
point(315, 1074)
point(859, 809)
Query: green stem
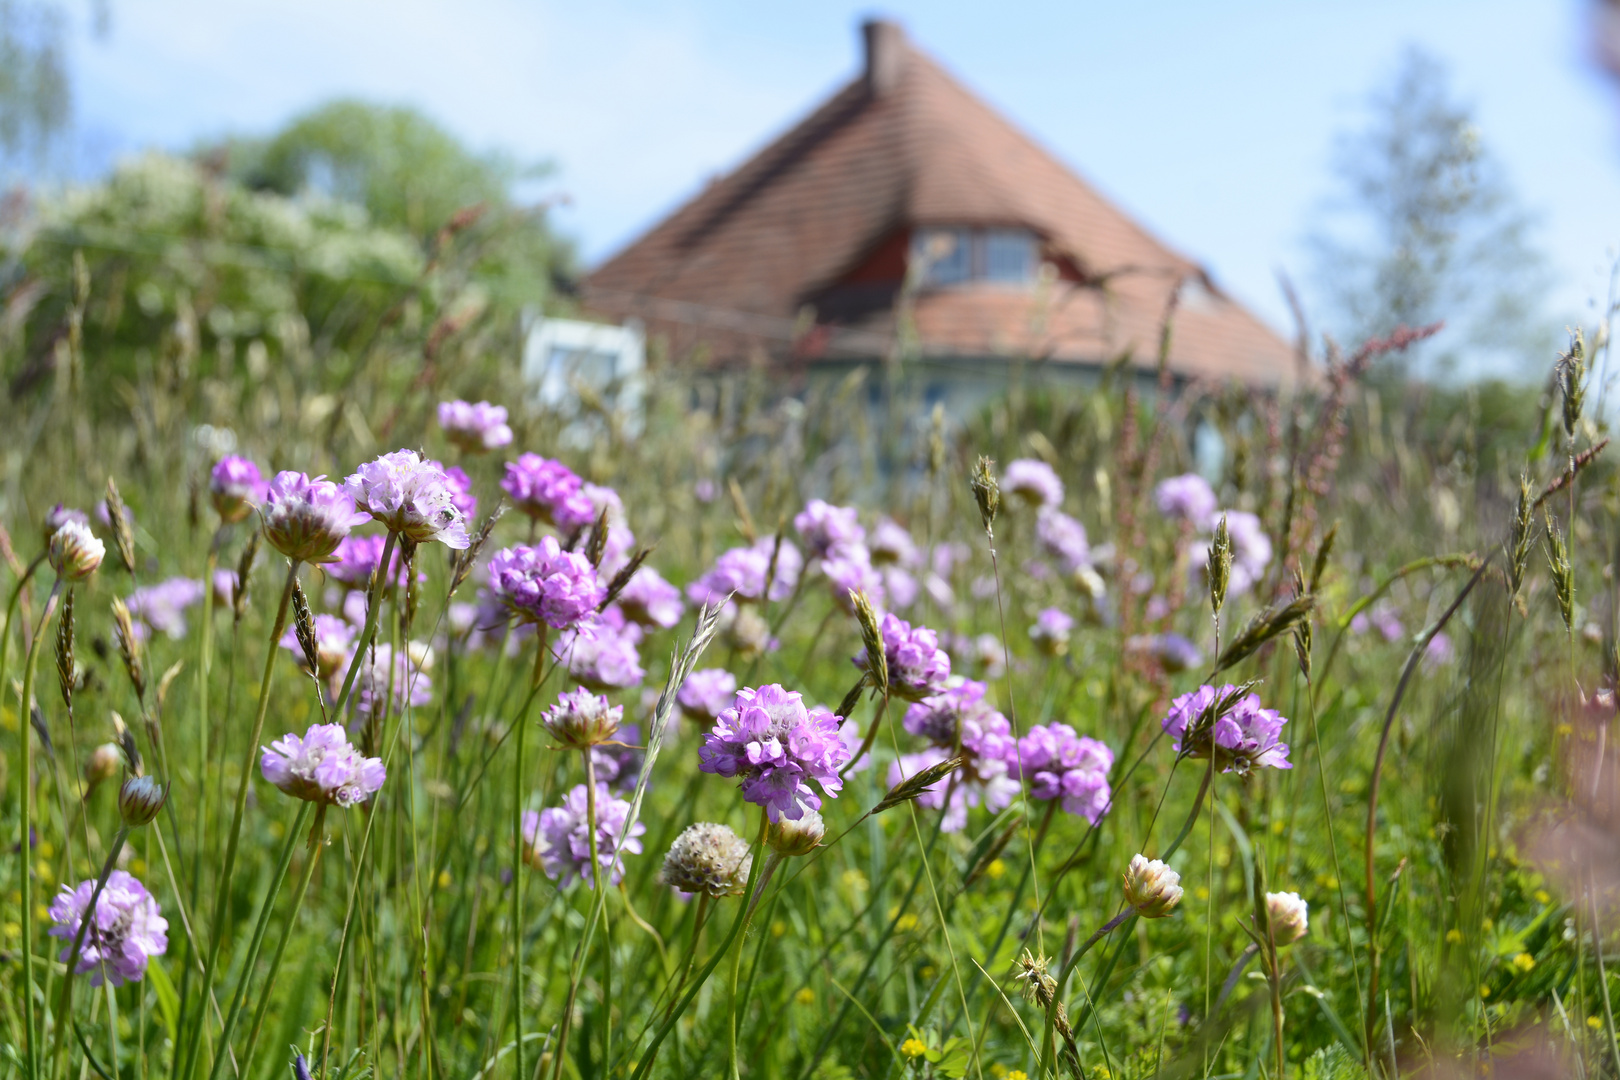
point(217, 929)
point(522, 724)
point(257, 941)
point(373, 605)
point(316, 845)
point(25, 733)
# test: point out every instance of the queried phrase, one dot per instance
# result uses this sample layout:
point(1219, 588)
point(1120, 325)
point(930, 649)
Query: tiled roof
point(746, 256)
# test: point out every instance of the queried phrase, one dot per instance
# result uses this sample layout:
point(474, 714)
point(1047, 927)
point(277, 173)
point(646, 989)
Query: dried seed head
point(123, 535)
point(1274, 620)
point(596, 542)
point(709, 859)
point(1571, 373)
point(1220, 566)
point(1302, 630)
point(465, 562)
point(986, 492)
point(126, 744)
point(1151, 887)
point(74, 551)
point(244, 571)
point(1038, 984)
point(140, 799)
point(917, 783)
point(304, 629)
point(129, 647)
point(1563, 575)
point(1523, 535)
point(877, 664)
point(622, 578)
point(789, 838)
point(1322, 553)
point(64, 650)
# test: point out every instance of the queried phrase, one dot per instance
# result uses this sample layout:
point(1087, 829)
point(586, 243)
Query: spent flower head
point(707, 859)
point(1151, 887)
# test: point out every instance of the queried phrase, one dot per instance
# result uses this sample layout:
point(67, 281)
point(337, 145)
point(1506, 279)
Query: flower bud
point(140, 799)
point(581, 719)
point(708, 859)
point(788, 837)
point(103, 764)
point(74, 552)
point(1151, 887)
point(1288, 915)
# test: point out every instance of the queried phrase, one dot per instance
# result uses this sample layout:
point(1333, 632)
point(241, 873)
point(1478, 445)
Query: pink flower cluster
point(126, 928)
point(322, 767)
point(474, 428)
point(544, 583)
point(412, 497)
point(306, 518)
point(235, 487)
point(776, 746)
point(960, 720)
point(1242, 733)
point(1033, 481)
point(917, 665)
point(1072, 768)
point(743, 570)
point(558, 838)
point(548, 491)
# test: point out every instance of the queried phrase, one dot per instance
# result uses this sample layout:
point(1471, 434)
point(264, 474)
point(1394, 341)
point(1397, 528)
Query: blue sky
point(1212, 123)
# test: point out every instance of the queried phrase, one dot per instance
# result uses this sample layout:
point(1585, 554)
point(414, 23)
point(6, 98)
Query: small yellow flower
point(1454, 936)
point(928, 971)
point(1484, 991)
point(996, 869)
point(1564, 729)
point(41, 913)
point(1201, 892)
point(778, 928)
point(998, 1071)
point(805, 996)
point(908, 921)
point(1594, 1022)
point(45, 848)
point(444, 879)
point(137, 867)
point(854, 879)
point(1018, 1074)
point(1487, 924)
point(13, 930)
point(1524, 961)
point(42, 870)
point(1277, 826)
point(1540, 896)
point(914, 1048)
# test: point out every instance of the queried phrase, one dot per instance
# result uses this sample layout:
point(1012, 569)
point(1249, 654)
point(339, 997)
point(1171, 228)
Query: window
point(954, 256)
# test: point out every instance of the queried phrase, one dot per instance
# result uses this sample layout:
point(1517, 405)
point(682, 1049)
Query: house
point(906, 218)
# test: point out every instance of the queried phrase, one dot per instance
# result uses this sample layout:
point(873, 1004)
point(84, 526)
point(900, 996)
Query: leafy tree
point(1426, 228)
point(35, 97)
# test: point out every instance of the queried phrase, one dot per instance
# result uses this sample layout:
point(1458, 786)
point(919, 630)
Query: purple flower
point(1244, 734)
point(960, 717)
point(474, 428)
point(1051, 631)
point(460, 487)
point(706, 694)
point(1439, 651)
point(1033, 481)
point(601, 656)
point(236, 486)
point(549, 491)
point(705, 491)
point(322, 767)
point(824, 527)
point(1382, 618)
point(59, 515)
point(1173, 652)
point(305, 518)
point(917, 665)
point(1186, 498)
point(544, 583)
point(334, 641)
point(899, 586)
point(388, 682)
point(162, 607)
point(649, 600)
point(849, 569)
point(411, 497)
point(618, 763)
point(1063, 539)
point(995, 789)
point(558, 838)
point(1061, 765)
point(743, 570)
point(892, 545)
point(126, 928)
point(769, 740)
point(357, 557)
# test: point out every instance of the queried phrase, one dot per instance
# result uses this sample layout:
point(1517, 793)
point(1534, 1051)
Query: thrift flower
point(790, 837)
point(892, 545)
point(650, 601)
point(559, 837)
point(993, 787)
point(1186, 498)
point(460, 487)
point(742, 570)
point(548, 491)
point(387, 682)
point(1033, 481)
point(1051, 631)
point(322, 767)
point(917, 665)
point(306, 519)
point(769, 740)
point(126, 928)
point(1063, 539)
point(618, 763)
point(706, 694)
point(1061, 765)
point(58, 516)
point(1244, 734)
point(356, 558)
point(581, 719)
point(1151, 887)
point(474, 428)
point(825, 528)
point(544, 583)
point(1290, 917)
point(709, 859)
point(601, 656)
point(959, 720)
point(236, 486)
point(410, 496)
point(74, 552)
point(162, 607)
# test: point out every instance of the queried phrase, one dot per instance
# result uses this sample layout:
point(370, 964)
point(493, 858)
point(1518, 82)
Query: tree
point(1426, 228)
point(411, 174)
point(35, 98)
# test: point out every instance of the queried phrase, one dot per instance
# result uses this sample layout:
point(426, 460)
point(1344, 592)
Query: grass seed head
point(244, 572)
point(877, 663)
point(1220, 566)
point(1563, 575)
point(986, 492)
point(304, 629)
point(64, 650)
point(1571, 371)
point(917, 783)
point(129, 647)
point(123, 535)
point(1524, 522)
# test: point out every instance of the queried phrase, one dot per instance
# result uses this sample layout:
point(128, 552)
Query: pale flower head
point(1289, 917)
point(1151, 887)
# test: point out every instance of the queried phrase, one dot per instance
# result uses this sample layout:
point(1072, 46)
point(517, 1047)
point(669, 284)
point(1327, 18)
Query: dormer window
point(957, 255)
